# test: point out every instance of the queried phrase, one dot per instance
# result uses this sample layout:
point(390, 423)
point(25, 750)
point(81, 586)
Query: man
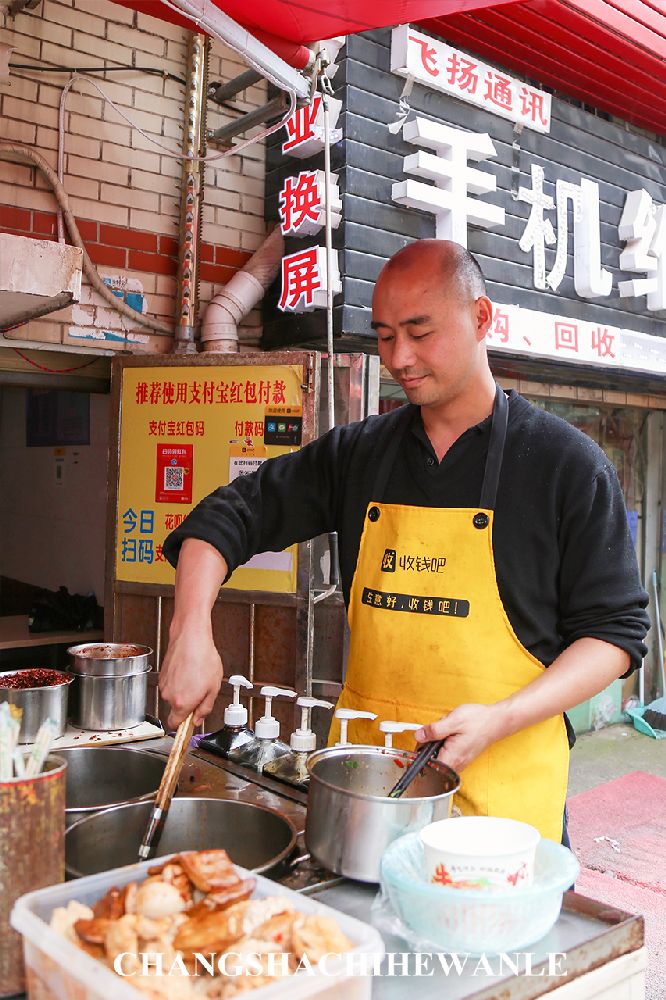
point(481, 541)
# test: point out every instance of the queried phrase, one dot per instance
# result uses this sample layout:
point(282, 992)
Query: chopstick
point(168, 784)
point(425, 754)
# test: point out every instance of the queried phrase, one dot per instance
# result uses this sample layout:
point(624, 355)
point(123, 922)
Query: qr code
point(173, 477)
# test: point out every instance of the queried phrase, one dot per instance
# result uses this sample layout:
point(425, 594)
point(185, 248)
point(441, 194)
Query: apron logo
point(388, 561)
point(412, 564)
point(414, 604)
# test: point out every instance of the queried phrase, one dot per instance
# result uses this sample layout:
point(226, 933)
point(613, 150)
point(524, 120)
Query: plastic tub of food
point(56, 969)
point(475, 921)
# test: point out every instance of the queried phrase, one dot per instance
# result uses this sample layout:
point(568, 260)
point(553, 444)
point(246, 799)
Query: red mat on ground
point(626, 868)
point(620, 828)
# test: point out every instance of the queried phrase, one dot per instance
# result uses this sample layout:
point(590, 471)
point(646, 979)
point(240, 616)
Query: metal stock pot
point(111, 682)
point(351, 821)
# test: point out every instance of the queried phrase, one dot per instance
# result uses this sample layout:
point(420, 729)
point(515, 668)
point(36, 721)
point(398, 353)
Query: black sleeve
point(601, 595)
point(288, 499)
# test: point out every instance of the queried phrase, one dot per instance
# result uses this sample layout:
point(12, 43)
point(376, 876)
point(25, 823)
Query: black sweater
point(565, 562)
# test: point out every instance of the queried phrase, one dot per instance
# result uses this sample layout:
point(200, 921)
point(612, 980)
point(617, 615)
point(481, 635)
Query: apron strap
point(493, 461)
point(388, 458)
point(495, 451)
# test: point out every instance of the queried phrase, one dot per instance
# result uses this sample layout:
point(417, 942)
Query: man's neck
point(445, 424)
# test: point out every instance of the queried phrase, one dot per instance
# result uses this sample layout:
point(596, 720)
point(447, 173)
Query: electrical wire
point(26, 152)
point(53, 371)
point(99, 69)
point(152, 70)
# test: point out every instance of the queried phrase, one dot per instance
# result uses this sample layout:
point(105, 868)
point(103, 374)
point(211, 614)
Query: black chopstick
point(425, 754)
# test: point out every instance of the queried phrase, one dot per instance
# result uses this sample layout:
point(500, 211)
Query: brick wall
point(123, 189)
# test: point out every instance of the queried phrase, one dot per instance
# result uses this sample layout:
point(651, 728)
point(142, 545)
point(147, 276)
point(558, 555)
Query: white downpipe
point(219, 324)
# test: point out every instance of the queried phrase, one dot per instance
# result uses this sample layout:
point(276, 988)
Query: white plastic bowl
point(480, 852)
point(469, 920)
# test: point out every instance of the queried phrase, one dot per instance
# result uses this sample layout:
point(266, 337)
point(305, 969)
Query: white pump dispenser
point(303, 740)
point(235, 714)
point(389, 728)
point(345, 715)
point(268, 728)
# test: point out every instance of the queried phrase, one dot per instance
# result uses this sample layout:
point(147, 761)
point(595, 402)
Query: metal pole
point(191, 196)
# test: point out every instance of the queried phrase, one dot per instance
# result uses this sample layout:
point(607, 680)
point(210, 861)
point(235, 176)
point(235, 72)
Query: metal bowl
point(254, 836)
point(100, 777)
point(105, 703)
point(38, 704)
point(351, 821)
point(101, 659)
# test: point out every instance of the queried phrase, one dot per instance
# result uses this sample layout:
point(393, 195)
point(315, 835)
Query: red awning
point(305, 21)
point(610, 54)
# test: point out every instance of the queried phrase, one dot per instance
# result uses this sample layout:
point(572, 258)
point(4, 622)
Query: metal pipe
point(220, 92)
point(273, 109)
point(333, 576)
point(191, 197)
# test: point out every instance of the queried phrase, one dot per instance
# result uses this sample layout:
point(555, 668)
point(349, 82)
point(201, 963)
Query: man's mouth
point(411, 381)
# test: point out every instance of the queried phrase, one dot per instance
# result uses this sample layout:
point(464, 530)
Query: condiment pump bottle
point(389, 728)
point(345, 715)
point(235, 733)
point(292, 767)
point(266, 745)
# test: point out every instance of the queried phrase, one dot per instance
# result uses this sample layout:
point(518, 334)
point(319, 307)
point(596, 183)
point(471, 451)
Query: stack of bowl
point(110, 685)
point(476, 884)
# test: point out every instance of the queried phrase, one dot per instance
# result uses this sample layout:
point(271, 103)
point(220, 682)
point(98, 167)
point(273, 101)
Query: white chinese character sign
point(436, 65)
point(304, 280)
point(591, 280)
point(452, 197)
point(302, 203)
point(643, 229)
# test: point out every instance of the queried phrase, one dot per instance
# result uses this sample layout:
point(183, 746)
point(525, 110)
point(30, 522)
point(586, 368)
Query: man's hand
point(583, 669)
point(191, 675)
point(468, 731)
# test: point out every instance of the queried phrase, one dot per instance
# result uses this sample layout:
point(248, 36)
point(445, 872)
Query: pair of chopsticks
point(425, 754)
point(168, 784)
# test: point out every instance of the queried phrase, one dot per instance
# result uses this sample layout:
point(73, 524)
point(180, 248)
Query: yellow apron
point(429, 632)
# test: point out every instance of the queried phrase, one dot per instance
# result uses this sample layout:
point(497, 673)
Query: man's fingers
point(433, 731)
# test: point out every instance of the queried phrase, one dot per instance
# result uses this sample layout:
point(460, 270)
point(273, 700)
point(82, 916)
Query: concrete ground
point(609, 753)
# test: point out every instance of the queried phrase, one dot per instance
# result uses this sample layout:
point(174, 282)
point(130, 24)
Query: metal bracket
point(221, 92)
point(274, 109)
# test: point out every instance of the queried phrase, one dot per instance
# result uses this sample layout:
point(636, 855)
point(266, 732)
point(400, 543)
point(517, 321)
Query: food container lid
point(102, 659)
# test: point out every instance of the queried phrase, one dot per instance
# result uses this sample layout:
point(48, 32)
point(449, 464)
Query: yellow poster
point(184, 431)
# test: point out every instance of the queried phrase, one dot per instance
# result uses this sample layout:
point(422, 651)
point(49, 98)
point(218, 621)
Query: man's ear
point(484, 315)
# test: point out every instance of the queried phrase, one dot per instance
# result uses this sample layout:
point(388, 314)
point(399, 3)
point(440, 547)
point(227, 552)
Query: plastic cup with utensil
point(479, 852)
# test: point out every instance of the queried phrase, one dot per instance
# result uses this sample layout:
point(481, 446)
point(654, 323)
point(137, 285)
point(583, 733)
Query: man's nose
point(403, 355)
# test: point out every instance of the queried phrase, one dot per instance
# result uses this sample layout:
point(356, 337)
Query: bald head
point(459, 268)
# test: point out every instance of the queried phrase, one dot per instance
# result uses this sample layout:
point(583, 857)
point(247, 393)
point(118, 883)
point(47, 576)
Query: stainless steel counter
point(588, 934)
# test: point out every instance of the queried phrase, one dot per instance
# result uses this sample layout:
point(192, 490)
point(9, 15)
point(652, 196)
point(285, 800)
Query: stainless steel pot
point(105, 703)
point(103, 658)
point(350, 821)
point(254, 836)
point(38, 704)
point(100, 777)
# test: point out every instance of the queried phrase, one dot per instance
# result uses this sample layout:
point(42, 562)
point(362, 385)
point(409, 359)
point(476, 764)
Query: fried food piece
point(63, 919)
point(224, 898)
point(174, 874)
point(93, 931)
point(277, 930)
point(209, 870)
point(164, 987)
point(112, 905)
point(122, 938)
point(213, 931)
point(318, 936)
